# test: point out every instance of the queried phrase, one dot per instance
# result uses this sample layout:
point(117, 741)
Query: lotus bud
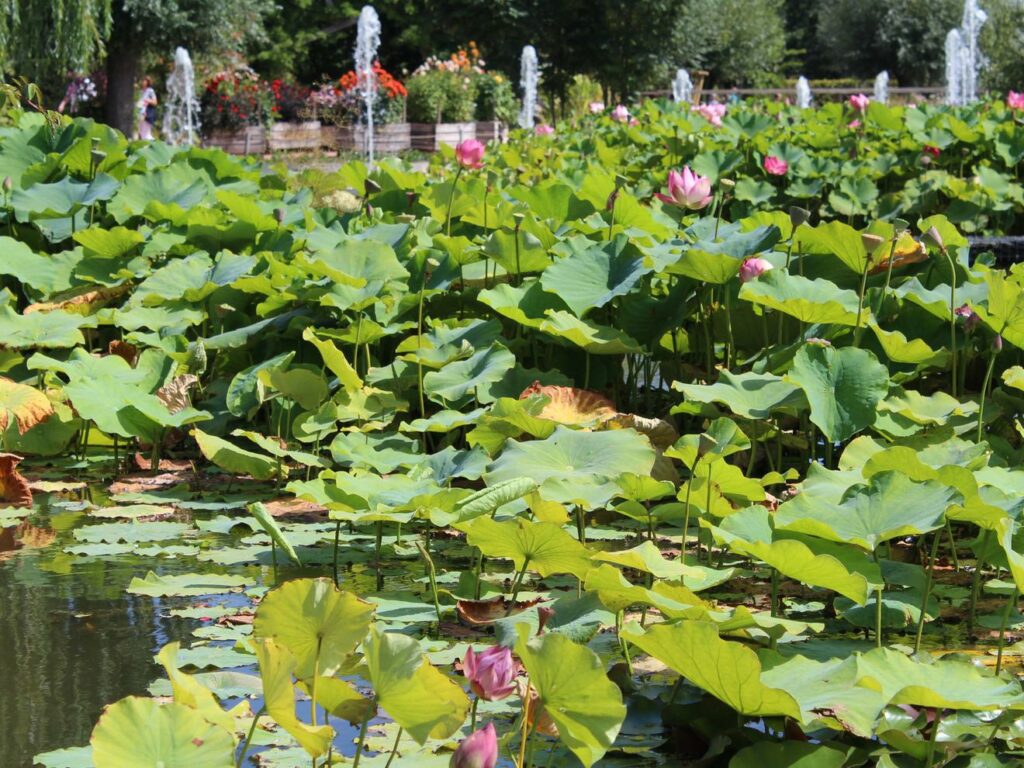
point(753, 267)
point(410, 196)
point(610, 202)
point(933, 237)
point(371, 187)
point(279, 215)
point(491, 673)
point(478, 750)
point(705, 444)
point(8, 184)
point(871, 242)
point(899, 226)
point(470, 154)
point(798, 216)
point(518, 219)
point(997, 343)
point(544, 615)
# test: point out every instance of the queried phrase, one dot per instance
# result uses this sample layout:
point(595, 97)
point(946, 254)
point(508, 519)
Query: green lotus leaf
point(361, 271)
point(810, 301)
point(1004, 311)
point(415, 694)
point(339, 698)
point(381, 451)
point(591, 274)
point(574, 691)
point(843, 387)
point(487, 500)
point(943, 684)
point(72, 757)
point(751, 395)
point(131, 532)
point(319, 624)
point(185, 584)
point(245, 393)
point(48, 273)
point(277, 665)
point(192, 278)
point(274, 447)
point(61, 197)
point(586, 458)
point(141, 733)
point(934, 409)
point(189, 691)
point(113, 243)
point(527, 304)
point(648, 558)
point(307, 388)
point(335, 361)
point(510, 418)
point(273, 530)
point(839, 239)
point(900, 349)
point(175, 187)
point(841, 568)
point(42, 330)
point(722, 438)
point(617, 594)
point(788, 754)
point(544, 547)
point(1014, 377)
point(443, 421)
point(727, 670)
point(231, 458)
point(458, 382)
point(595, 339)
point(530, 256)
point(719, 262)
point(889, 506)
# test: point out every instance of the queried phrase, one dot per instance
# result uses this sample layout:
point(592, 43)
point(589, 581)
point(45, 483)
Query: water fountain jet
point(367, 43)
point(181, 112)
point(682, 87)
point(528, 76)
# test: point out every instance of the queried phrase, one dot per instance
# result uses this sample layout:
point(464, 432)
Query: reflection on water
point(71, 641)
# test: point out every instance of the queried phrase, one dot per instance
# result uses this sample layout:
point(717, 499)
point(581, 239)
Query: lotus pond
point(306, 468)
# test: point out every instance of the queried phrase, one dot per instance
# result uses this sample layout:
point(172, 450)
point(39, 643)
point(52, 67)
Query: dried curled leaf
point(569, 405)
point(26, 404)
point(129, 352)
point(83, 303)
point(908, 251)
point(660, 432)
point(175, 393)
point(14, 488)
point(477, 613)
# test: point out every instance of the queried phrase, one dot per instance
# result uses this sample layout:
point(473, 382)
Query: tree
point(139, 26)
point(42, 40)
point(1002, 43)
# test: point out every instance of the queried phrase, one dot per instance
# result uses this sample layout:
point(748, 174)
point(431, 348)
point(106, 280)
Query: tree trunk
point(123, 61)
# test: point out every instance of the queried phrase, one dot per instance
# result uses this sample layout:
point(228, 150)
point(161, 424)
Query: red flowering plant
point(291, 100)
point(342, 102)
point(234, 99)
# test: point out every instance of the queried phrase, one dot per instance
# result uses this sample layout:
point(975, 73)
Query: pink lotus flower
point(968, 315)
point(1015, 100)
point(620, 113)
point(687, 190)
point(543, 130)
point(752, 267)
point(491, 674)
point(713, 113)
point(776, 166)
point(932, 150)
point(853, 125)
point(596, 107)
point(859, 101)
point(478, 750)
point(470, 154)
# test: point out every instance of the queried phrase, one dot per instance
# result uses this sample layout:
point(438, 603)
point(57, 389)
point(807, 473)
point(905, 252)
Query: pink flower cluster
point(1015, 100)
point(713, 113)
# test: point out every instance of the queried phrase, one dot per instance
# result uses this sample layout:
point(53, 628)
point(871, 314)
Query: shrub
point(441, 96)
point(495, 98)
point(291, 100)
point(232, 100)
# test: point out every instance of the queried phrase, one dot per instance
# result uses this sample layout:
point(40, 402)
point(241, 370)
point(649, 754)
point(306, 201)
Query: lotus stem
point(929, 579)
point(984, 393)
point(519, 582)
point(527, 730)
point(376, 548)
point(432, 577)
point(775, 592)
point(312, 686)
point(933, 739)
point(952, 321)
point(1010, 604)
point(394, 749)
point(878, 617)
point(451, 199)
point(362, 740)
point(419, 345)
point(976, 579)
point(859, 331)
point(273, 558)
point(248, 737)
point(888, 275)
point(686, 513)
point(730, 349)
point(337, 535)
point(472, 714)
point(581, 526)
point(478, 571)
point(952, 545)
point(707, 511)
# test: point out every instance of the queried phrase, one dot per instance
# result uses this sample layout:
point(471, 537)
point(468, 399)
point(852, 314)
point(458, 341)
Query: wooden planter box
point(430, 136)
point(246, 141)
point(387, 139)
point(284, 136)
point(491, 130)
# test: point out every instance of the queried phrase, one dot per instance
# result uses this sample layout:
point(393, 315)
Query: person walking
point(147, 110)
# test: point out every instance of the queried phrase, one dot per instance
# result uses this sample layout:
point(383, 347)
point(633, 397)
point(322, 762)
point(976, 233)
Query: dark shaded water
point(71, 641)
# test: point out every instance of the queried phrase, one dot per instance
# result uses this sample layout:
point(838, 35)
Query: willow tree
point(42, 39)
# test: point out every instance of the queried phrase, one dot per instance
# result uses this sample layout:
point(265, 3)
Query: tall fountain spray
point(803, 93)
point(528, 75)
point(882, 87)
point(954, 69)
point(181, 112)
point(367, 43)
point(970, 57)
point(682, 87)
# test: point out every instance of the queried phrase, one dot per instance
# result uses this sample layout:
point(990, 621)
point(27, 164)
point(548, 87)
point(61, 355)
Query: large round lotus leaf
point(843, 386)
point(231, 458)
point(583, 457)
point(317, 622)
point(416, 695)
point(461, 380)
point(276, 668)
point(592, 274)
point(140, 733)
point(788, 754)
point(574, 691)
point(726, 669)
point(810, 301)
point(751, 395)
point(544, 547)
